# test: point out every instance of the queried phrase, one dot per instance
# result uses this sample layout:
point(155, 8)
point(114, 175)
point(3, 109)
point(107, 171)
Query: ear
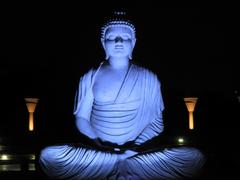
point(134, 42)
point(103, 43)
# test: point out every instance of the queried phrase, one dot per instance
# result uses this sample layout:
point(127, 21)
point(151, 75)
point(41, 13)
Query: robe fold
point(135, 114)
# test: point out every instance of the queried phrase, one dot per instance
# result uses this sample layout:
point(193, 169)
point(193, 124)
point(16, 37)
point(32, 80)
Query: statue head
point(118, 37)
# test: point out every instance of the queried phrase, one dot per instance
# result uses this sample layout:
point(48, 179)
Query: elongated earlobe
point(133, 45)
point(107, 56)
point(130, 56)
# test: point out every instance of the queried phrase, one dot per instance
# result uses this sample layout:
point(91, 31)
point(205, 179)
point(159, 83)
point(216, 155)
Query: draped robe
point(135, 115)
point(136, 109)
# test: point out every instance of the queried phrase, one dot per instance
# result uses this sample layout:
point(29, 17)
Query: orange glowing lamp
point(190, 103)
point(31, 106)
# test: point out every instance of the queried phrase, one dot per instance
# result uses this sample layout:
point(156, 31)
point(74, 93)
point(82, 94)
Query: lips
point(118, 47)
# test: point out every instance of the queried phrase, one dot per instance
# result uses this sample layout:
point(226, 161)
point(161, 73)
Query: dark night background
point(47, 50)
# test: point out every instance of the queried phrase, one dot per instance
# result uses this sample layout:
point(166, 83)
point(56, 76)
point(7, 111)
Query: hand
point(128, 154)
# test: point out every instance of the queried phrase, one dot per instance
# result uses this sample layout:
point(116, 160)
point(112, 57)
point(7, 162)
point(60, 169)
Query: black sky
point(183, 44)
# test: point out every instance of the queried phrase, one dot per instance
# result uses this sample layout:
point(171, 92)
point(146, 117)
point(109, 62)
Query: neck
point(119, 63)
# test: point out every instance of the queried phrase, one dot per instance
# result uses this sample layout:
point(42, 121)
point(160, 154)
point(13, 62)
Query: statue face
point(118, 42)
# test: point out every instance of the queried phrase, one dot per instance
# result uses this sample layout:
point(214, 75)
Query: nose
point(118, 39)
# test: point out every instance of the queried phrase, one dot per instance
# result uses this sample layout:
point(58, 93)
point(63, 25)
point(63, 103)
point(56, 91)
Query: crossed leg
point(172, 163)
point(69, 162)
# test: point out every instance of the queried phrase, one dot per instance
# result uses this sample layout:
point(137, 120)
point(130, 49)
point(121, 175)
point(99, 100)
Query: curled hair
point(119, 21)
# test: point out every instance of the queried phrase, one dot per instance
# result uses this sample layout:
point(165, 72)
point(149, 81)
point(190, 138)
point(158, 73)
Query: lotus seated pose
point(119, 107)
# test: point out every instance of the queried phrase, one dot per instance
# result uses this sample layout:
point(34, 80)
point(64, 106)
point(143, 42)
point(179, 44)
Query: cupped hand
point(128, 154)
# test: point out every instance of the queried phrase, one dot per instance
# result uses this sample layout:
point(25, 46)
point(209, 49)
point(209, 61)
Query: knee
point(49, 154)
point(191, 150)
point(44, 154)
point(190, 153)
point(185, 149)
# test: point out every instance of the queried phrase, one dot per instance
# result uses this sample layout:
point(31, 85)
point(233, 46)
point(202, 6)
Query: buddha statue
point(119, 106)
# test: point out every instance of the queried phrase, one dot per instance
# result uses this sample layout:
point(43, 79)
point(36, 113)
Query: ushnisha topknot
point(118, 21)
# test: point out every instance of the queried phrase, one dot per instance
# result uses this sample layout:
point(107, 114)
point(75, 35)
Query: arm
point(151, 131)
point(154, 107)
point(84, 126)
point(83, 105)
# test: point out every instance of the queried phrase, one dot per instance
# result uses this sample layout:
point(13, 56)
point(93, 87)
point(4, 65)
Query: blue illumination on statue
point(118, 104)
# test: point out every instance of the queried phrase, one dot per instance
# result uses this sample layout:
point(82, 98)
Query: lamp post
point(190, 103)
point(31, 106)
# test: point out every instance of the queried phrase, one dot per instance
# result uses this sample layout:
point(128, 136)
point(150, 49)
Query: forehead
point(118, 30)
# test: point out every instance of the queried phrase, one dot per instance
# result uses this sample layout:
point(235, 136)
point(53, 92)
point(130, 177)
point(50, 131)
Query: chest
point(107, 85)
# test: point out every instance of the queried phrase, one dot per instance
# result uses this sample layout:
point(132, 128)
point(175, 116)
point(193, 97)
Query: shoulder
point(147, 73)
point(87, 74)
point(90, 72)
point(142, 69)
